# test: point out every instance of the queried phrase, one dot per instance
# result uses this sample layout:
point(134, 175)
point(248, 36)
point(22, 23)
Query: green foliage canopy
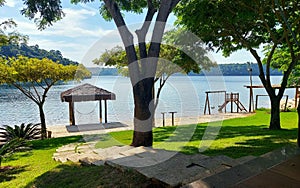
point(175, 55)
point(34, 77)
point(17, 71)
point(230, 25)
point(10, 37)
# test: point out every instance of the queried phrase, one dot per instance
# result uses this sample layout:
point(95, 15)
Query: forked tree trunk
point(275, 114)
point(298, 138)
point(143, 113)
point(142, 89)
point(43, 122)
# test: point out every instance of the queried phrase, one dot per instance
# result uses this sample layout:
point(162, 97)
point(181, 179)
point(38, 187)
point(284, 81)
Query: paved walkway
point(279, 168)
point(285, 174)
point(269, 170)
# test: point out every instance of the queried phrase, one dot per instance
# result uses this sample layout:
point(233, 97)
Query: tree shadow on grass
point(234, 141)
point(54, 142)
point(43, 145)
point(114, 139)
point(74, 175)
point(8, 173)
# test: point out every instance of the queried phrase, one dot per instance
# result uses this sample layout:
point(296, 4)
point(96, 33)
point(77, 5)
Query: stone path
point(174, 169)
point(240, 173)
point(285, 174)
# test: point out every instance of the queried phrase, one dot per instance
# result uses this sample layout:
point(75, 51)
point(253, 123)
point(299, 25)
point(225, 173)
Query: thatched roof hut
point(86, 92)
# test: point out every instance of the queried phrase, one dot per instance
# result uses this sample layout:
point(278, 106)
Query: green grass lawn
point(235, 138)
point(37, 169)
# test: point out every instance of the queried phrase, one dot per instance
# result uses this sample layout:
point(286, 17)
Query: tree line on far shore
point(232, 69)
point(13, 50)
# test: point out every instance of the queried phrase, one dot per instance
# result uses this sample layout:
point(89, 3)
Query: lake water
point(183, 94)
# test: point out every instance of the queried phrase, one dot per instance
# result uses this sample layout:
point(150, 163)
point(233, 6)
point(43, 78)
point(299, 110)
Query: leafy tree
point(34, 77)
point(294, 80)
point(280, 60)
point(233, 25)
point(171, 60)
point(11, 37)
point(142, 77)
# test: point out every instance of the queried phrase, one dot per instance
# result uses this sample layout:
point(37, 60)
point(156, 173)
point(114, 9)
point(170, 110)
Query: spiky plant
point(26, 132)
point(10, 147)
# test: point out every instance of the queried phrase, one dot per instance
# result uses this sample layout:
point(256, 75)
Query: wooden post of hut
point(100, 110)
point(105, 110)
point(71, 113)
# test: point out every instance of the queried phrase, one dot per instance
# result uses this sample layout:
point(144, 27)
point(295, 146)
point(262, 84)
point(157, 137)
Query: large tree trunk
point(142, 75)
point(143, 113)
point(298, 138)
point(43, 122)
point(275, 113)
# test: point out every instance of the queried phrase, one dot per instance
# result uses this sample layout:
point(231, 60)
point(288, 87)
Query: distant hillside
point(34, 52)
point(226, 69)
point(97, 71)
point(235, 69)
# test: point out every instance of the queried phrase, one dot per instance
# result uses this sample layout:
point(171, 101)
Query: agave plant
point(26, 132)
point(10, 147)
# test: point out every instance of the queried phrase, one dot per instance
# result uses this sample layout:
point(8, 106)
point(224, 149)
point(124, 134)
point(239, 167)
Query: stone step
point(84, 148)
point(170, 167)
point(109, 152)
point(69, 147)
point(141, 157)
point(248, 166)
point(156, 156)
point(62, 156)
point(224, 178)
point(135, 150)
point(60, 159)
point(245, 159)
point(175, 169)
point(89, 158)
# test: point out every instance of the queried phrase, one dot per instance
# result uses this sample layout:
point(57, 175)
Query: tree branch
point(161, 85)
point(166, 6)
point(173, 5)
point(45, 93)
point(127, 39)
point(290, 67)
point(141, 33)
point(268, 65)
point(26, 93)
point(36, 92)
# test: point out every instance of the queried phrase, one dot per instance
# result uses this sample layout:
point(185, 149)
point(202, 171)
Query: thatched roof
point(86, 92)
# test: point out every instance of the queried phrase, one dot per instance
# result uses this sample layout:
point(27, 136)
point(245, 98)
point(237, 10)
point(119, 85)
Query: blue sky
point(82, 35)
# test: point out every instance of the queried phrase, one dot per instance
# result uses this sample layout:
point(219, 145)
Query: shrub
point(10, 147)
point(26, 132)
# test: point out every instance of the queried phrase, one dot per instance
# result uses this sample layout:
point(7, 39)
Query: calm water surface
point(183, 94)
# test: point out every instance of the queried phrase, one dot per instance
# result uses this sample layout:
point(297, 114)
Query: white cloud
point(74, 24)
point(11, 3)
point(73, 35)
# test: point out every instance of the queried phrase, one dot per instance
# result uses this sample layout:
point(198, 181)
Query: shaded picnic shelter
point(87, 92)
point(277, 86)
